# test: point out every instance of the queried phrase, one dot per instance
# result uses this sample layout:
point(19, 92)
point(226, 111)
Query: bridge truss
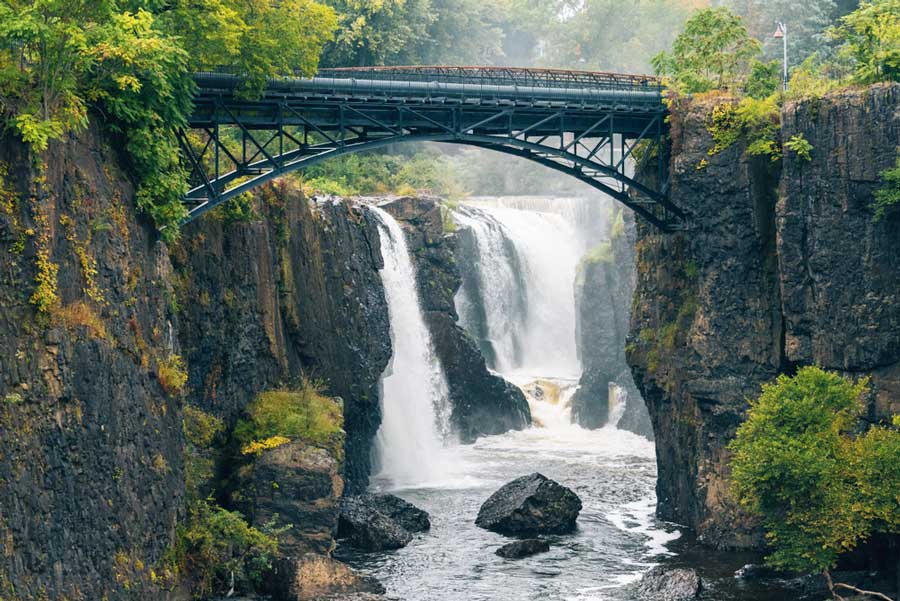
point(592, 126)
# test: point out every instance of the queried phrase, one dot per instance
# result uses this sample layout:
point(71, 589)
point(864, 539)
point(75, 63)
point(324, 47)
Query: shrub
point(758, 121)
point(800, 146)
point(303, 413)
point(172, 374)
point(200, 432)
point(817, 487)
point(213, 543)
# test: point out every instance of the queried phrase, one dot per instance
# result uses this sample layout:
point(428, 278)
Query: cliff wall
point(296, 290)
point(783, 266)
point(604, 288)
point(91, 462)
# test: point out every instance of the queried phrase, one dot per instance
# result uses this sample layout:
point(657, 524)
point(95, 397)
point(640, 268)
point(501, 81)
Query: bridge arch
point(586, 125)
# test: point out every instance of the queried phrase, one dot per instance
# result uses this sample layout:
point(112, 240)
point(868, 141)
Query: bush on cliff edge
point(817, 485)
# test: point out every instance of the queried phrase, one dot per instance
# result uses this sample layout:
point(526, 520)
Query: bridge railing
point(504, 76)
point(461, 83)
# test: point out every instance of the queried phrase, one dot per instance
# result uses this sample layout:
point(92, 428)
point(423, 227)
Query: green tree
point(713, 52)
point(871, 38)
point(383, 32)
point(817, 487)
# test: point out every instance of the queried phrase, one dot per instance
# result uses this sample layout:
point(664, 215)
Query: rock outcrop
point(523, 548)
point(604, 287)
point(530, 505)
point(379, 522)
point(669, 584)
point(91, 384)
point(483, 404)
point(317, 578)
point(91, 460)
point(783, 266)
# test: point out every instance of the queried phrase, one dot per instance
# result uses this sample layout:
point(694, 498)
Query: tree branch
point(862, 592)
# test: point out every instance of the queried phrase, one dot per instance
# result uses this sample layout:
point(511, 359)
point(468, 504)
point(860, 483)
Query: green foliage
point(764, 80)
point(790, 467)
point(815, 78)
point(757, 121)
point(714, 52)
point(172, 374)
point(212, 543)
point(602, 253)
point(378, 33)
point(303, 413)
point(817, 487)
point(201, 430)
point(871, 38)
point(131, 61)
point(800, 146)
point(887, 198)
point(373, 173)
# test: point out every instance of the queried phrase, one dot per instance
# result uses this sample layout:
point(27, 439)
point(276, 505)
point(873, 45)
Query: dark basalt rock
point(523, 548)
point(530, 505)
point(379, 522)
point(406, 514)
point(669, 584)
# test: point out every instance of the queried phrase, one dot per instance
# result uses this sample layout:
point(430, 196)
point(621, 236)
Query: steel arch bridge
point(592, 126)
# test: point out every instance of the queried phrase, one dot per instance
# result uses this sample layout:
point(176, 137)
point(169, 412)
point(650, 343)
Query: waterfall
point(414, 395)
point(523, 278)
point(618, 398)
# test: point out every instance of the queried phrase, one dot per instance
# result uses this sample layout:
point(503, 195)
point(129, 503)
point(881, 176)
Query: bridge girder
point(238, 145)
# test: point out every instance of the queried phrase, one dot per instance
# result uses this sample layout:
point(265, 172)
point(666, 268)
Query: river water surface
point(612, 471)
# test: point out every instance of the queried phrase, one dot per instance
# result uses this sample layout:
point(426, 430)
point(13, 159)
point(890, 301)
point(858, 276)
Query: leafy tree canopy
point(132, 61)
point(870, 37)
point(713, 52)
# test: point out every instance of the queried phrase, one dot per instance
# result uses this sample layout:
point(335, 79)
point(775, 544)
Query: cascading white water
point(409, 443)
point(526, 271)
point(618, 398)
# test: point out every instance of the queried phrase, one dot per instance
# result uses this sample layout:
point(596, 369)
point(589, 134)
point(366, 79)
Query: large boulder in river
point(669, 584)
point(530, 505)
point(403, 512)
point(523, 548)
point(379, 522)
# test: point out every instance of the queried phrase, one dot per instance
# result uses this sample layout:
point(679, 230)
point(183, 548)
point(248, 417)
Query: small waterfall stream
point(409, 443)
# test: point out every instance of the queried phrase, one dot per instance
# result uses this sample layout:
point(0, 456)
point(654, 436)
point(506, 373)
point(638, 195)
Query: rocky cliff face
point(483, 404)
point(604, 288)
point(96, 322)
point(296, 291)
point(91, 462)
point(783, 266)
